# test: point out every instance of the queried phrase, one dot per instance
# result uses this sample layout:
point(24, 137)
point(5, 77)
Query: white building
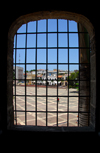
point(51, 73)
point(33, 72)
point(52, 77)
point(19, 72)
point(41, 71)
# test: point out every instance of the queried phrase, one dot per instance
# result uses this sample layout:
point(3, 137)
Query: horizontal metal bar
point(53, 48)
point(49, 32)
point(48, 96)
point(53, 111)
point(49, 80)
point(51, 63)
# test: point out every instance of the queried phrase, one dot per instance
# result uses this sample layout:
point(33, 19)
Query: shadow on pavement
point(74, 91)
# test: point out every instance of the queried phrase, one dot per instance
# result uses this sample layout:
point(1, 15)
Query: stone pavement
point(41, 106)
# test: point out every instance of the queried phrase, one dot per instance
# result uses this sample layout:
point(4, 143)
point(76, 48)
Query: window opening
point(51, 83)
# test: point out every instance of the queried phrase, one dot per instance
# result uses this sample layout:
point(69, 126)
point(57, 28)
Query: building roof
point(51, 71)
point(28, 74)
point(39, 75)
point(59, 76)
point(24, 74)
point(40, 69)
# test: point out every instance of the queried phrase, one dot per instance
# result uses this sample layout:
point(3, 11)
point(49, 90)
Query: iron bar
point(15, 79)
point(36, 73)
point(47, 79)
point(52, 63)
point(57, 72)
point(46, 67)
point(25, 75)
point(68, 74)
point(52, 48)
point(51, 96)
point(79, 73)
point(47, 32)
point(54, 111)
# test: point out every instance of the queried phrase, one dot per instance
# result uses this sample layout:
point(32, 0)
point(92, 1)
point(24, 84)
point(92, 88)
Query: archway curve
point(51, 15)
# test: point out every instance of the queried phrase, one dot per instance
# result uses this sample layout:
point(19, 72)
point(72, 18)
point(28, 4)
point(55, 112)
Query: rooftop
point(24, 74)
point(51, 71)
point(40, 69)
point(39, 75)
point(60, 76)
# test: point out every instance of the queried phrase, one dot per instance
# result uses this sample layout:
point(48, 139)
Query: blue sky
point(52, 42)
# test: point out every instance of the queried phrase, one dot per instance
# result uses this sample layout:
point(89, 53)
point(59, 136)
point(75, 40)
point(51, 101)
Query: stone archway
point(50, 15)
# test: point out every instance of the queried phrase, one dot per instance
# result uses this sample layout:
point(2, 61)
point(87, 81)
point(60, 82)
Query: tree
point(72, 77)
point(77, 75)
point(32, 70)
point(13, 75)
point(77, 86)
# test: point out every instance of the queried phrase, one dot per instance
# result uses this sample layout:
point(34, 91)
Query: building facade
point(19, 72)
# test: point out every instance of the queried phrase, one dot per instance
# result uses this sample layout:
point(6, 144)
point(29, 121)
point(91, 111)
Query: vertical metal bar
point(79, 70)
point(25, 74)
point(15, 78)
point(57, 72)
point(68, 73)
point(46, 64)
point(36, 75)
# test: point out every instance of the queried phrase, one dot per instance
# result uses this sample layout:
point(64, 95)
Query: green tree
point(32, 70)
point(77, 75)
point(72, 77)
point(77, 86)
point(13, 75)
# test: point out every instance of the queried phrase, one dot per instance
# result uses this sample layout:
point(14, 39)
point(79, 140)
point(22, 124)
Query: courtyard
point(41, 106)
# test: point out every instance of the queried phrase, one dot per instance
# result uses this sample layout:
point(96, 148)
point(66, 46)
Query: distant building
point(51, 77)
point(19, 72)
point(60, 76)
point(76, 71)
point(50, 72)
point(41, 71)
point(29, 77)
point(62, 72)
point(54, 69)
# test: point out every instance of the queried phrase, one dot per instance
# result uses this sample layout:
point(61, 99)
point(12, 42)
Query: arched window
point(52, 44)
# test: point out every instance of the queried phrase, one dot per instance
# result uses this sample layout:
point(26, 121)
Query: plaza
point(41, 106)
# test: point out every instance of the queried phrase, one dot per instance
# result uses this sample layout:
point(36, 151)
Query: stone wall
point(84, 76)
point(93, 82)
point(87, 72)
point(84, 91)
point(10, 114)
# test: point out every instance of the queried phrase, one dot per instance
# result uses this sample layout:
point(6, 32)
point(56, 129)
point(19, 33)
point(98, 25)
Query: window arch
point(57, 15)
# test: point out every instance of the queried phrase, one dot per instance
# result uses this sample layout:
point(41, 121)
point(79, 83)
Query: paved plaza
point(41, 106)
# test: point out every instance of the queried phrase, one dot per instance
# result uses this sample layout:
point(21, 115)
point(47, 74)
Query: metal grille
point(68, 64)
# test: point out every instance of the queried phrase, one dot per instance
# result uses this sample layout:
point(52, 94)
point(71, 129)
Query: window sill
point(51, 129)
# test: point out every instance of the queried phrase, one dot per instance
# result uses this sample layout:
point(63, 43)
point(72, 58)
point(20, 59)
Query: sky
point(52, 42)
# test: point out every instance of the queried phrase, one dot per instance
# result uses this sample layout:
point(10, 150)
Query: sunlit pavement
point(41, 106)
